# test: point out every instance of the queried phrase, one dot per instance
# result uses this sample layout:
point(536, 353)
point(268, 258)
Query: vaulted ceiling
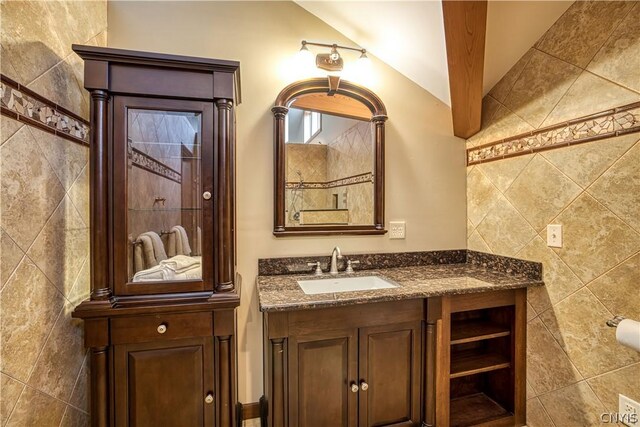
point(409, 35)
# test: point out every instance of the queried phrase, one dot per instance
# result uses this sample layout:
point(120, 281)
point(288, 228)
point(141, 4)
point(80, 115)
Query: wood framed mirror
point(329, 140)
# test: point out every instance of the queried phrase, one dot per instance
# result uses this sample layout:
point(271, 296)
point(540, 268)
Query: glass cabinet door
point(167, 195)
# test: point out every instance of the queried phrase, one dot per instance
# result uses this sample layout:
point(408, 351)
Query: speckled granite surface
point(282, 293)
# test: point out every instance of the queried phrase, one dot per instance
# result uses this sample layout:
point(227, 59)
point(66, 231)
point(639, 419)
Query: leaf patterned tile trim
point(24, 105)
point(606, 124)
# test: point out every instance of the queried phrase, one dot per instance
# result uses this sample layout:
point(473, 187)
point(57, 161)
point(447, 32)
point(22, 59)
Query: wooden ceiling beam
point(465, 25)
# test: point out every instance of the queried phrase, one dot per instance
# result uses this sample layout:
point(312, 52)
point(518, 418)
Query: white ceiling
point(409, 35)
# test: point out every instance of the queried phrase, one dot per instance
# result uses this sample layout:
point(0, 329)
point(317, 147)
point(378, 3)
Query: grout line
point(517, 78)
point(544, 409)
point(44, 344)
point(15, 405)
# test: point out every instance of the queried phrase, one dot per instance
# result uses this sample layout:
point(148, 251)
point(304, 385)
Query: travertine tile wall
point(588, 61)
point(44, 202)
point(352, 154)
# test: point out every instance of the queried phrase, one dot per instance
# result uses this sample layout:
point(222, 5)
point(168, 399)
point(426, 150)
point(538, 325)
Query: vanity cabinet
point(445, 361)
point(160, 322)
point(345, 366)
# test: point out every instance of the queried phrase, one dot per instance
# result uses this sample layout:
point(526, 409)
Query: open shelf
point(475, 361)
point(474, 330)
point(476, 409)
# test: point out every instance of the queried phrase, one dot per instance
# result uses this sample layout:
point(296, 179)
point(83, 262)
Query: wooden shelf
point(469, 362)
point(475, 330)
point(477, 409)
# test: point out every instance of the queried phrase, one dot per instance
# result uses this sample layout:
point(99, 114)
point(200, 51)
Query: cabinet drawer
point(160, 327)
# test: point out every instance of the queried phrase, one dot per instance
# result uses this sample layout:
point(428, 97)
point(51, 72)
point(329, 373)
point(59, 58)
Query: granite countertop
point(282, 293)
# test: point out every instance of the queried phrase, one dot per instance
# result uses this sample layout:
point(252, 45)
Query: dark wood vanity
point(439, 350)
point(160, 323)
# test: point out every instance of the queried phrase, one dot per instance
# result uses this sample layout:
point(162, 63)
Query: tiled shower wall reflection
point(44, 202)
point(587, 62)
point(349, 155)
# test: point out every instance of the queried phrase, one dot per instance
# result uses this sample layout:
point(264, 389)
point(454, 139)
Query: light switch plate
point(554, 235)
point(396, 229)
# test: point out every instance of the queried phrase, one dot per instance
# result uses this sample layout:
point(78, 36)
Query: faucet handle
point(350, 263)
point(318, 269)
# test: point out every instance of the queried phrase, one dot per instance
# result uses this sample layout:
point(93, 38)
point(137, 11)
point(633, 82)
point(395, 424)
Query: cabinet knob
point(206, 195)
point(354, 388)
point(364, 386)
point(162, 328)
point(209, 398)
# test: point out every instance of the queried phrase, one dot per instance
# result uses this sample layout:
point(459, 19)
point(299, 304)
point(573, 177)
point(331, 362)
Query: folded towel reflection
point(181, 263)
point(179, 267)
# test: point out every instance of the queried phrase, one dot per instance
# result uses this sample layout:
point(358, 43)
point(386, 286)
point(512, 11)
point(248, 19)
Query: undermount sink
point(344, 284)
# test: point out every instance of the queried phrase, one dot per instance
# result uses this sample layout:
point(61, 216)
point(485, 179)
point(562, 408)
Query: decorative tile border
point(148, 163)
point(24, 105)
point(606, 124)
point(342, 182)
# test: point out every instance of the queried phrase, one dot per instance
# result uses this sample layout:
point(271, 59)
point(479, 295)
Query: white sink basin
point(344, 284)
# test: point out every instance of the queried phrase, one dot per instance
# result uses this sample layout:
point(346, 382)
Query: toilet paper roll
point(628, 334)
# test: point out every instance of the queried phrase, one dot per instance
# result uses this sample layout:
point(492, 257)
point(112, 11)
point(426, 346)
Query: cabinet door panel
point(164, 383)
point(322, 367)
point(390, 366)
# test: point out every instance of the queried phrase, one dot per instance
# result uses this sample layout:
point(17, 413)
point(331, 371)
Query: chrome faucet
point(335, 256)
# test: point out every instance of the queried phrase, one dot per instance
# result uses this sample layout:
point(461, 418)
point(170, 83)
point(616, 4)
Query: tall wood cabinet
point(160, 322)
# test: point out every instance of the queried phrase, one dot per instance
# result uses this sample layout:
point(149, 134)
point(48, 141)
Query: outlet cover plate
point(554, 235)
point(396, 229)
point(628, 411)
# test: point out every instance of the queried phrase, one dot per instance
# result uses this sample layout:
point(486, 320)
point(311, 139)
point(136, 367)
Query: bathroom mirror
point(164, 195)
point(329, 162)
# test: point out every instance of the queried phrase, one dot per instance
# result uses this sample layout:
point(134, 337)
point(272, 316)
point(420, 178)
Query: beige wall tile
point(8, 127)
point(583, 29)
point(470, 228)
point(82, 287)
point(30, 306)
point(584, 163)
point(65, 229)
point(578, 324)
point(559, 280)
point(30, 55)
point(501, 90)
point(531, 312)
point(548, 367)
point(504, 229)
point(11, 256)
point(540, 192)
point(489, 108)
point(531, 393)
point(74, 418)
point(65, 157)
point(57, 369)
point(502, 173)
point(80, 396)
point(619, 187)
point(503, 124)
point(595, 240)
point(619, 58)
point(26, 178)
point(10, 391)
point(623, 381)
point(619, 289)
point(60, 86)
point(573, 406)
point(603, 95)
point(481, 196)
point(541, 85)
point(536, 415)
point(36, 409)
point(79, 194)
point(475, 243)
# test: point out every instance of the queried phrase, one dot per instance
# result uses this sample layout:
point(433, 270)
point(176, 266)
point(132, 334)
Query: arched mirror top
point(347, 94)
point(329, 159)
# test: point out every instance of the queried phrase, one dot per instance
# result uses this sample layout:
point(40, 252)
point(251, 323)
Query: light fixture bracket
point(324, 62)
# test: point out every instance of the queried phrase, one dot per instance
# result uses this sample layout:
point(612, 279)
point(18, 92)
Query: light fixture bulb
point(304, 62)
point(334, 54)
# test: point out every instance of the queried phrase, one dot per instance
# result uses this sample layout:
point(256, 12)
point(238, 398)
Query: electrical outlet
point(628, 411)
point(554, 235)
point(396, 229)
